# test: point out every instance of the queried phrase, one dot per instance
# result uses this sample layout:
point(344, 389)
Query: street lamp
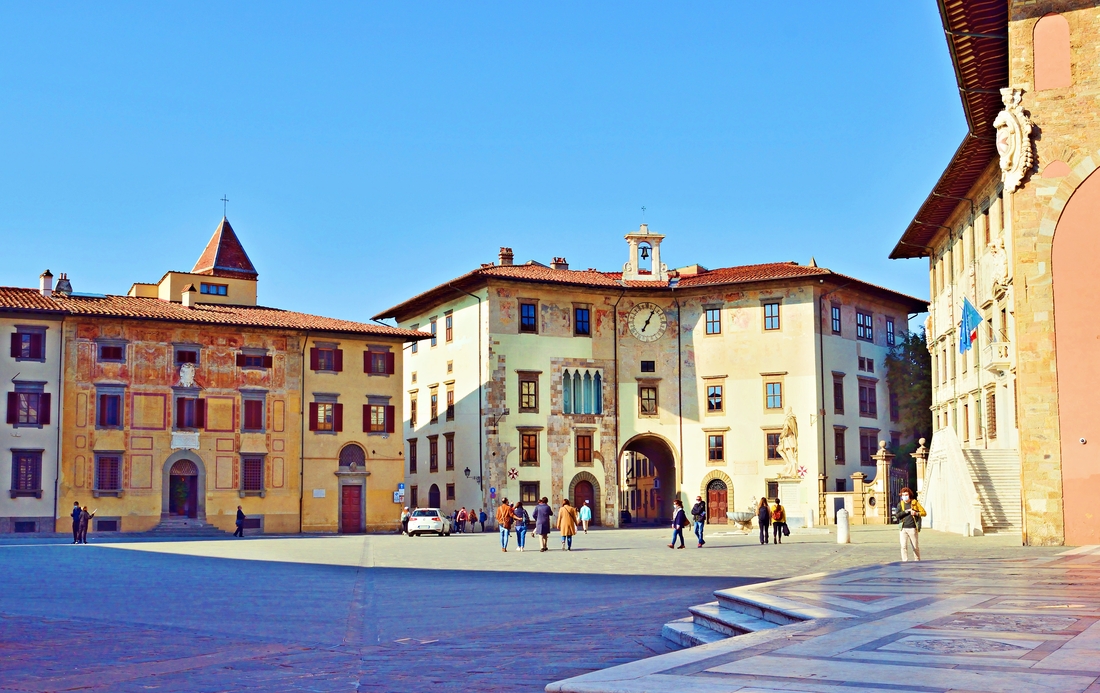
point(467, 472)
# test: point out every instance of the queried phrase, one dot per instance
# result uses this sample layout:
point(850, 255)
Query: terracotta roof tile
point(224, 255)
point(14, 298)
point(124, 307)
point(770, 271)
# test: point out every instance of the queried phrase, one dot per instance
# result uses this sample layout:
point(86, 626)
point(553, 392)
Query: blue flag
point(968, 328)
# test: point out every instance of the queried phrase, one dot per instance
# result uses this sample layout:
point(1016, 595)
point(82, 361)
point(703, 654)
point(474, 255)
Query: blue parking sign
point(401, 487)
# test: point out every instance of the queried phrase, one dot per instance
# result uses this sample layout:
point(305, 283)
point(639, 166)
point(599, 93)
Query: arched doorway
point(649, 479)
point(353, 460)
point(1077, 321)
point(585, 487)
point(717, 502)
point(433, 496)
point(183, 489)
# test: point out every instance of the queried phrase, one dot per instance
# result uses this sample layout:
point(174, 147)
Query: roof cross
point(225, 203)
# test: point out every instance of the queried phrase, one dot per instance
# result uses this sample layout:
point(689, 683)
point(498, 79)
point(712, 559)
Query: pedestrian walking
point(779, 522)
point(85, 519)
point(679, 519)
point(909, 514)
point(764, 518)
point(482, 517)
point(519, 520)
point(504, 523)
point(405, 515)
point(699, 517)
point(542, 522)
point(567, 524)
point(76, 522)
point(461, 519)
point(585, 515)
point(240, 523)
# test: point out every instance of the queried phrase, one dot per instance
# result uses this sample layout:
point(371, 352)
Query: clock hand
point(647, 320)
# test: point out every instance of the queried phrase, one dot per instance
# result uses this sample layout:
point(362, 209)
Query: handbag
point(786, 530)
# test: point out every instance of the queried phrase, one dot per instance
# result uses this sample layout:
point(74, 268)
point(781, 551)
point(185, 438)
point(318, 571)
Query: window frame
point(102, 344)
point(412, 455)
point(868, 446)
point(450, 404)
point(716, 391)
point(29, 331)
point(578, 321)
point(259, 398)
point(773, 400)
point(526, 486)
point(716, 445)
point(20, 456)
point(211, 289)
point(448, 327)
point(865, 326)
point(582, 456)
point(98, 489)
point(178, 349)
point(771, 446)
point(868, 398)
point(119, 394)
point(433, 405)
point(643, 389)
point(840, 445)
point(449, 451)
point(413, 402)
point(450, 491)
point(772, 323)
point(835, 319)
point(252, 460)
point(838, 395)
point(891, 333)
point(713, 320)
point(433, 454)
point(20, 405)
point(528, 401)
point(529, 448)
point(524, 327)
point(377, 418)
point(434, 330)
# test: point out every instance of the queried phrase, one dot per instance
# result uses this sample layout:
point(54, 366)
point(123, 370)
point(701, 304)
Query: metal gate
point(899, 479)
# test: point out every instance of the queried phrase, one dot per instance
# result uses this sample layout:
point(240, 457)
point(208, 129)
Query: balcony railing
point(996, 357)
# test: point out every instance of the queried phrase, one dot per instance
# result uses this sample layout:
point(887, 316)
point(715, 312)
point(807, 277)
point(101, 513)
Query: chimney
point(559, 263)
point(45, 283)
point(63, 286)
point(505, 257)
point(189, 296)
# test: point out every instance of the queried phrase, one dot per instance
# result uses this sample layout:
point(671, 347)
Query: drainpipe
point(60, 413)
point(615, 361)
point(304, 409)
point(679, 386)
point(480, 402)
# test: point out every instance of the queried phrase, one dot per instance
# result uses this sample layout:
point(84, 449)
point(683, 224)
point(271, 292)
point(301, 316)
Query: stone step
point(686, 633)
point(726, 621)
point(760, 609)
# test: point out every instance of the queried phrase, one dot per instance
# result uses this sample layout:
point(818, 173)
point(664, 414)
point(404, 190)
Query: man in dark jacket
point(699, 516)
point(76, 522)
point(240, 523)
point(85, 520)
point(678, 522)
point(541, 516)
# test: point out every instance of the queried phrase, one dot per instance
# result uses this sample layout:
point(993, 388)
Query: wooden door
point(351, 509)
point(716, 503)
point(583, 492)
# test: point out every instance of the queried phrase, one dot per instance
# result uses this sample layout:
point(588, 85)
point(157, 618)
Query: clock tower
point(645, 247)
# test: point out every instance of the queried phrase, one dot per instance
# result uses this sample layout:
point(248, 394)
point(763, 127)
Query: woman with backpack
point(679, 519)
point(519, 519)
point(764, 519)
point(779, 522)
point(908, 515)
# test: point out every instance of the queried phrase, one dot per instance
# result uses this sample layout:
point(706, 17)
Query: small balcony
point(996, 359)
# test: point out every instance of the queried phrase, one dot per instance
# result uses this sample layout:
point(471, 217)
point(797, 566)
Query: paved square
point(378, 613)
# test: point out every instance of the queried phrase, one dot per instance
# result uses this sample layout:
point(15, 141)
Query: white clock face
point(647, 322)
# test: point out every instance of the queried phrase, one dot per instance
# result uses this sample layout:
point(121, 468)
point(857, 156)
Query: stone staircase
point(996, 475)
point(735, 613)
point(176, 527)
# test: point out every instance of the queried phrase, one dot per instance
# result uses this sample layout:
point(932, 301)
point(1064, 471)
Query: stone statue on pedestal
point(788, 447)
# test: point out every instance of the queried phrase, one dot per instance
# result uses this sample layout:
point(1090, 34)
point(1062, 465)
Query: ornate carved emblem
point(1014, 139)
point(187, 375)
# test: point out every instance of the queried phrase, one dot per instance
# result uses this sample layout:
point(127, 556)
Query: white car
point(429, 521)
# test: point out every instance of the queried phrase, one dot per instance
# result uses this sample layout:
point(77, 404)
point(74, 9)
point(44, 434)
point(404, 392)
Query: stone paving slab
point(995, 626)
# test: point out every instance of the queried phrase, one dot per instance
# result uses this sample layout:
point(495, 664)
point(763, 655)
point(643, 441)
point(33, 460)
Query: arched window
point(587, 392)
point(578, 397)
point(597, 401)
point(567, 393)
point(352, 454)
point(1052, 53)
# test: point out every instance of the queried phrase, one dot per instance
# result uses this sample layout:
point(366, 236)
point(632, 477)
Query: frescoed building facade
point(632, 388)
point(1011, 227)
point(185, 399)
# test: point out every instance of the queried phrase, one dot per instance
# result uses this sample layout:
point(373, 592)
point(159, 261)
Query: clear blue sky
point(372, 150)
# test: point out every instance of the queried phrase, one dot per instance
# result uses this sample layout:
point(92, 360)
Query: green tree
point(909, 377)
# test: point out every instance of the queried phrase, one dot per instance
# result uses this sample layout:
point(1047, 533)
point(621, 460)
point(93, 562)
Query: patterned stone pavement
point(377, 613)
point(997, 626)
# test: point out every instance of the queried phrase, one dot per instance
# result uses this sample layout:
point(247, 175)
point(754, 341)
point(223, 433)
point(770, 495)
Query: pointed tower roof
point(224, 256)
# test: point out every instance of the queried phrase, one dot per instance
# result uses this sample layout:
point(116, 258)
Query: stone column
point(822, 515)
point(857, 498)
point(921, 456)
point(883, 460)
